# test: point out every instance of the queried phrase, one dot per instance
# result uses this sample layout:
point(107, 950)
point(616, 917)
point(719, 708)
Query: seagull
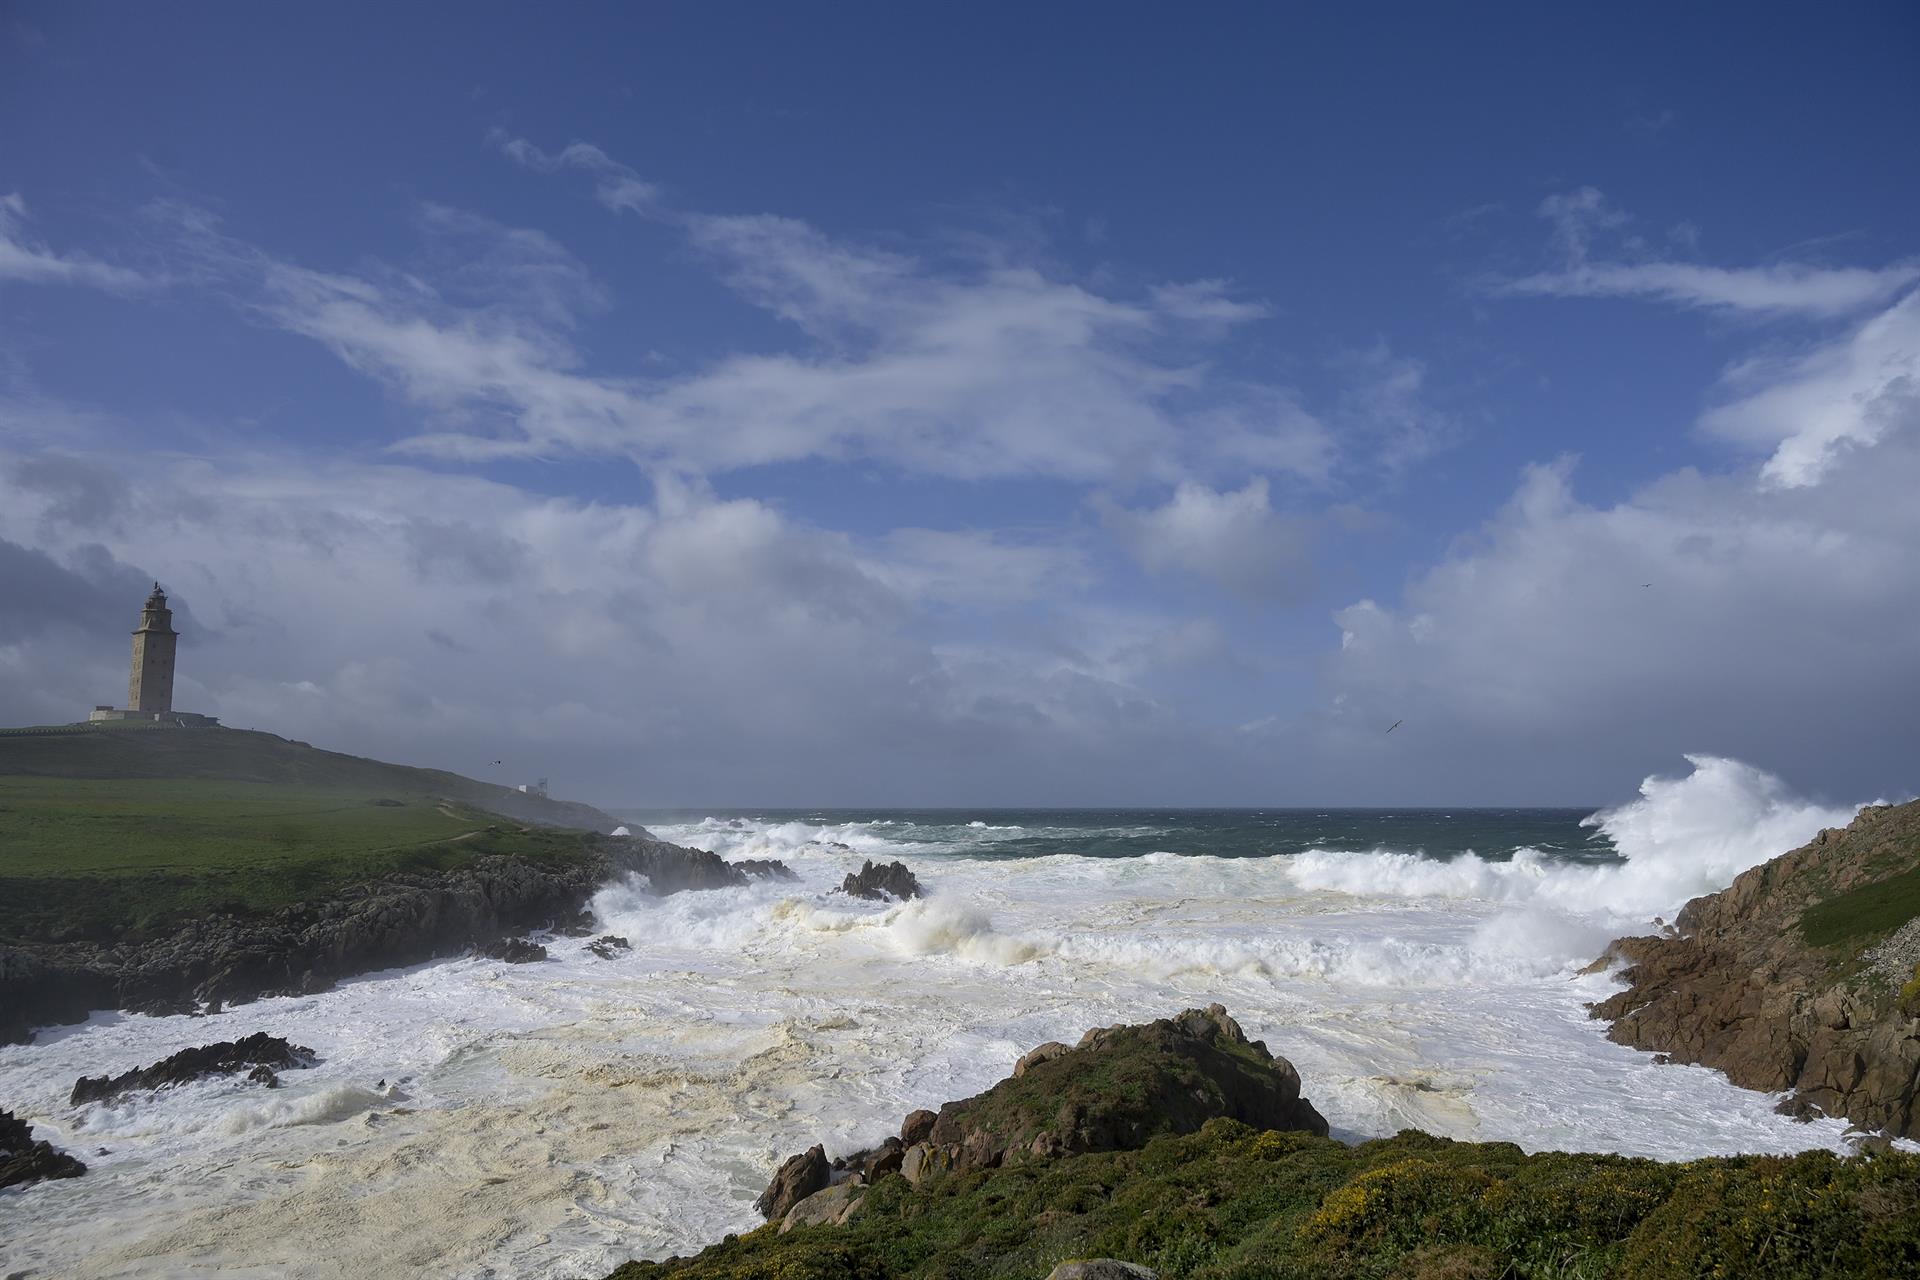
point(1395, 725)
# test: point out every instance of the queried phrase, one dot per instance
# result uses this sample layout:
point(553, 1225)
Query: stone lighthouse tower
point(150, 686)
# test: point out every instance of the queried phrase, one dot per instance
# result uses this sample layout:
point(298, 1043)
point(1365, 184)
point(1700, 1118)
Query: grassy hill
point(246, 755)
point(110, 832)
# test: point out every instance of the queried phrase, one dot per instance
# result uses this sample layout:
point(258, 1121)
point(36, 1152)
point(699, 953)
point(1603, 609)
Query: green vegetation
point(1234, 1203)
point(242, 755)
point(1863, 914)
point(95, 859)
point(107, 833)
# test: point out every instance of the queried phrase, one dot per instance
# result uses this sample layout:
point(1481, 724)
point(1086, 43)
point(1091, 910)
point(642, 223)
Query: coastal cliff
point(396, 919)
point(1801, 976)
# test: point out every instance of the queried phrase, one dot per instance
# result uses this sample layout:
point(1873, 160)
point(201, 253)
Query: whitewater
point(474, 1118)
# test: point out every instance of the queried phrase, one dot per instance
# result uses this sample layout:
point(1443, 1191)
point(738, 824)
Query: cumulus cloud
point(683, 649)
point(1810, 407)
point(1235, 538)
point(1768, 622)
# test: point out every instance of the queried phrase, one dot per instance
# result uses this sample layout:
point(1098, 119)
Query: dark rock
point(872, 1163)
point(765, 869)
point(797, 1179)
point(265, 1076)
point(607, 946)
point(24, 1160)
point(1737, 985)
point(229, 1057)
point(399, 919)
point(514, 951)
point(669, 868)
point(882, 881)
point(917, 1126)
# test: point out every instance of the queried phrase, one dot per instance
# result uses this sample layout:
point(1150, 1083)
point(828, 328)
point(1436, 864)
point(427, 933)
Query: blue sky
point(740, 404)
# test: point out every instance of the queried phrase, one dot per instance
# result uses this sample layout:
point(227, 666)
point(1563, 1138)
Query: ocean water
point(472, 1118)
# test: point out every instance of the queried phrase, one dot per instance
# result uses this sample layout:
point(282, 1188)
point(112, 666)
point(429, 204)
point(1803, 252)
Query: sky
point(719, 405)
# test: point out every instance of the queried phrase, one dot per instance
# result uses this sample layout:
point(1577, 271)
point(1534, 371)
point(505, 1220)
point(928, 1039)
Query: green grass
point(1864, 913)
point(98, 858)
point(1233, 1203)
point(243, 755)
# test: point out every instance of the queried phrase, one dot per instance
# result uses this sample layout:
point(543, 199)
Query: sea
point(1422, 968)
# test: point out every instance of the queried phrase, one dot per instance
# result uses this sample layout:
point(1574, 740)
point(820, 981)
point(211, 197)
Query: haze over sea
point(1420, 967)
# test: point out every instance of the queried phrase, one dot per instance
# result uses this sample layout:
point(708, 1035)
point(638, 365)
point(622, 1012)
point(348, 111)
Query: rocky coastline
point(1802, 977)
point(398, 919)
point(1181, 1148)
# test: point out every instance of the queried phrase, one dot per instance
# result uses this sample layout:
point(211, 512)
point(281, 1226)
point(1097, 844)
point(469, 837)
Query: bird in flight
point(1395, 725)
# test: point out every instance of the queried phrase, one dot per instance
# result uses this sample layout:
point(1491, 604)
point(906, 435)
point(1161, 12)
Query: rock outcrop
point(880, 881)
point(609, 946)
point(1115, 1090)
point(1798, 977)
point(800, 1177)
point(253, 1054)
point(514, 951)
point(671, 868)
point(399, 919)
point(23, 1160)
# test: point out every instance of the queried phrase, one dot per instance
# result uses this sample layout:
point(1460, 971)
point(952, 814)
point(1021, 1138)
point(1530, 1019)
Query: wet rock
point(797, 1179)
point(765, 869)
point(917, 1126)
point(265, 1076)
point(610, 945)
point(1102, 1269)
point(873, 1163)
point(23, 1160)
point(880, 881)
point(228, 1057)
point(514, 951)
point(1738, 986)
point(669, 868)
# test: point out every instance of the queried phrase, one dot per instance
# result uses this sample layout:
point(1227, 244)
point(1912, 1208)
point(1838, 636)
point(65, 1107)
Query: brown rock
point(1740, 988)
point(800, 1177)
point(917, 1126)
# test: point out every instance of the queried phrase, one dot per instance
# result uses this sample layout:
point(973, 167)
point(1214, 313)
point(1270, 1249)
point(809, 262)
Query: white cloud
point(968, 369)
point(1777, 289)
point(617, 186)
point(1566, 640)
point(1780, 289)
point(1235, 538)
point(33, 262)
point(686, 649)
point(1840, 395)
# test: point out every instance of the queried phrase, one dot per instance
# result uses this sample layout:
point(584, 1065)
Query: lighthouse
point(150, 686)
point(150, 682)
